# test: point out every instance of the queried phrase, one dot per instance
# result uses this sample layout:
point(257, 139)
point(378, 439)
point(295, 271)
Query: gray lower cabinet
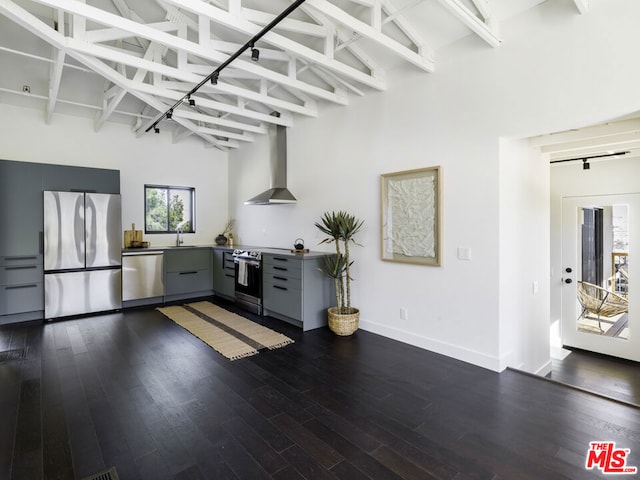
point(295, 290)
point(224, 273)
point(188, 272)
point(21, 288)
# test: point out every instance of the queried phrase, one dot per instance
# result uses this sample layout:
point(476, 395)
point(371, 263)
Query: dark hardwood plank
point(135, 391)
point(611, 377)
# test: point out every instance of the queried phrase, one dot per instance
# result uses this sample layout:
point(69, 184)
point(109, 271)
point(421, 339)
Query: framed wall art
point(411, 216)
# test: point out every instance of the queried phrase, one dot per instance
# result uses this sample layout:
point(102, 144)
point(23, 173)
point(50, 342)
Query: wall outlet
point(403, 314)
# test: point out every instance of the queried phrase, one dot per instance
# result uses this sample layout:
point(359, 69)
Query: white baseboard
point(450, 350)
point(544, 370)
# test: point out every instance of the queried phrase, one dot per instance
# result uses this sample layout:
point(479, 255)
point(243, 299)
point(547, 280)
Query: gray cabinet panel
point(20, 208)
point(295, 290)
point(223, 273)
point(185, 259)
point(16, 299)
point(85, 179)
point(20, 274)
point(188, 282)
point(281, 265)
point(284, 298)
point(188, 270)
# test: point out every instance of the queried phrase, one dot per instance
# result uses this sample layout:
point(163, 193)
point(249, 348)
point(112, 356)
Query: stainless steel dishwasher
point(142, 275)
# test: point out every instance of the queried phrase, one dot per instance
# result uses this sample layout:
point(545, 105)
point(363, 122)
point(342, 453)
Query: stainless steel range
point(248, 281)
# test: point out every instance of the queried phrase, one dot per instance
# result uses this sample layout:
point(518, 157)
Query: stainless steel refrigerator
point(82, 253)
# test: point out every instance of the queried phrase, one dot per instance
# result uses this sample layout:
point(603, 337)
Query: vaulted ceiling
point(134, 61)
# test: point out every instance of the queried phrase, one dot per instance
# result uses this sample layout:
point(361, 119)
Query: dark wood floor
point(612, 377)
point(135, 391)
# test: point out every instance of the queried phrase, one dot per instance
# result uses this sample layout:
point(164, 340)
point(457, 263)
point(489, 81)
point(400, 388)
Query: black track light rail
point(584, 159)
point(216, 73)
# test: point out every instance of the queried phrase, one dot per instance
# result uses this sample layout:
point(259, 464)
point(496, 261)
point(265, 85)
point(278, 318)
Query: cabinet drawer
point(187, 282)
point(187, 260)
point(283, 281)
point(20, 274)
point(284, 269)
point(18, 260)
point(282, 298)
point(21, 298)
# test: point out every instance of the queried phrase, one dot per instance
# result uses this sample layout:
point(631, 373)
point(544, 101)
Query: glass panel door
point(600, 238)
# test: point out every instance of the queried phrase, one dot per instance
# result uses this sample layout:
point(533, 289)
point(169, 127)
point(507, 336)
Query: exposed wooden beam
point(123, 57)
point(55, 77)
point(583, 5)
point(482, 29)
point(44, 31)
point(277, 40)
point(202, 51)
point(372, 33)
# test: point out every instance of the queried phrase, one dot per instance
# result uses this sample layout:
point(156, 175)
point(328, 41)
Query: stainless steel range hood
point(278, 193)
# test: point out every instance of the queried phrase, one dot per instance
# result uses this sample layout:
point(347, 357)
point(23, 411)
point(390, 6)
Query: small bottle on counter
point(230, 239)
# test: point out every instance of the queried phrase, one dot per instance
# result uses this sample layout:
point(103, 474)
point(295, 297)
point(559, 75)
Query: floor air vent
point(17, 354)
point(109, 474)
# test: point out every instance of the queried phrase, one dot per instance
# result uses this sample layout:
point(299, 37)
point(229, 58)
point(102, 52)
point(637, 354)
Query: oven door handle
point(249, 263)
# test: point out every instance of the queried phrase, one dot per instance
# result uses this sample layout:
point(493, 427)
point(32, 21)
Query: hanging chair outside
point(600, 302)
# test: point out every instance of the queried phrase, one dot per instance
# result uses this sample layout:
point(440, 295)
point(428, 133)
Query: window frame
point(169, 188)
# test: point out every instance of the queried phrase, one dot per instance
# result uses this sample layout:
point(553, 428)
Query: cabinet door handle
point(284, 279)
point(15, 287)
point(21, 267)
point(281, 259)
point(230, 276)
point(280, 288)
point(28, 257)
point(281, 269)
point(188, 273)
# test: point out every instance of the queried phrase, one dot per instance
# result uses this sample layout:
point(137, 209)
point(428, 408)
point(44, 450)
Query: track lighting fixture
point(585, 160)
point(213, 77)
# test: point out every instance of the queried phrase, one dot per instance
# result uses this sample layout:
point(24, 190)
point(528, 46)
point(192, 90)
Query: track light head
point(585, 164)
point(156, 129)
point(169, 114)
point(192, 102)
point(255, 54)
point(214, 78)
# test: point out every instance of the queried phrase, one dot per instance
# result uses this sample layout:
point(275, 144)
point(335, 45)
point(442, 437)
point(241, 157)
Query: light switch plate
point(464, 253)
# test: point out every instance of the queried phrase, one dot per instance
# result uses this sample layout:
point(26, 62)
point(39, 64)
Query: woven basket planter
point(343, 324)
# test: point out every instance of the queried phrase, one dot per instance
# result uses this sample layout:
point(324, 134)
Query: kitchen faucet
point(179, 231)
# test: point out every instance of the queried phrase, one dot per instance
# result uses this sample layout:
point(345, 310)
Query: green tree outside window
point(168, 207)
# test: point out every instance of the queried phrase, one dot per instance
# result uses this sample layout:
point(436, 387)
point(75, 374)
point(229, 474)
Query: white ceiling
point(131, 61)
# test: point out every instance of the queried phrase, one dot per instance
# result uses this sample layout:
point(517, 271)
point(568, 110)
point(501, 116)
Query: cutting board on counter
point(132, 235)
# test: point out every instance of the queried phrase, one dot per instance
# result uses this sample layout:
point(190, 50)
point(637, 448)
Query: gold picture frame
point(411, 227)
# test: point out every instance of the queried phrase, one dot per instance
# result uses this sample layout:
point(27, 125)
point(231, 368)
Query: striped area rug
point(229, 334)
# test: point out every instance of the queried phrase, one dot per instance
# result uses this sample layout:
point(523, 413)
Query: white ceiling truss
point(148, 54)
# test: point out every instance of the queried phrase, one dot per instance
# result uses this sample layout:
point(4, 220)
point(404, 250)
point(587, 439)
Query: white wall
point(556, 70)
point(524, 240)
point(153, 159)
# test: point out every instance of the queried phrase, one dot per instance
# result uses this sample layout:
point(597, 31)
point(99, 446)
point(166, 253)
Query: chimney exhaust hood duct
point(278, 193)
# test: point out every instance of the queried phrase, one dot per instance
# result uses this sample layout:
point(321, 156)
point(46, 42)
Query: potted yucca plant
point(340, 228)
